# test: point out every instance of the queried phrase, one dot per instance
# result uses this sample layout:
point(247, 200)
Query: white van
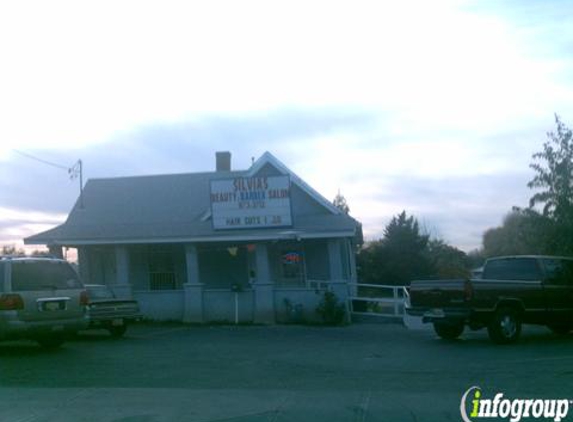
point(41, 299)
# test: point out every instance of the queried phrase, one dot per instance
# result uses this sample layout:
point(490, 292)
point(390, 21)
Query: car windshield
point(43, 275)
point(99, 292)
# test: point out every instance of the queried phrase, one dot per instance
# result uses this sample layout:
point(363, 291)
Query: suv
point(41, 299)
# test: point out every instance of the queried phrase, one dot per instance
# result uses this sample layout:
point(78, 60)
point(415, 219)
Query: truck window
point(525, 269)
point(43, 275)
point(558, 271)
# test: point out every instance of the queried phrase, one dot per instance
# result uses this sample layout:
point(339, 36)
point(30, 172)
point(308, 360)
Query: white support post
point(263, 287)
point(193, 309)
point(122, 288)
point(84, 264)
point(334, 260)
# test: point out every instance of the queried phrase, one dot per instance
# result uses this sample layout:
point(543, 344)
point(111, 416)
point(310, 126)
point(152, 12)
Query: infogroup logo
point(474, 406)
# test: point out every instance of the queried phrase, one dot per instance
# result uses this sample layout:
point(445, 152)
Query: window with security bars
point(161, 270)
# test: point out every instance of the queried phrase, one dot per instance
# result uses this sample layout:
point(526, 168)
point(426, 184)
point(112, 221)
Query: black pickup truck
point(512, 291)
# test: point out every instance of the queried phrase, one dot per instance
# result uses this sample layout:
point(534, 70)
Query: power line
point(67, 168)
point(74, 171)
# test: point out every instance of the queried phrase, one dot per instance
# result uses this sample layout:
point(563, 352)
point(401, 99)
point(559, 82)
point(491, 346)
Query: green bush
point(330, 309)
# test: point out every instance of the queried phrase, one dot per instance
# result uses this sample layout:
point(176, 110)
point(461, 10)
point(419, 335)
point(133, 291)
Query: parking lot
point(363, 372)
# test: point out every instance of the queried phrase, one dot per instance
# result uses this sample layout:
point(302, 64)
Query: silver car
point(41, 299)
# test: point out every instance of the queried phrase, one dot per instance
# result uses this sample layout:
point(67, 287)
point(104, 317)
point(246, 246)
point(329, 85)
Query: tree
point(554, 175)
point(523, 232)
point(397, 258)
point(554, 180)
point(340, 203)
point(447, 261)
point(11, 250)
point(528, 231)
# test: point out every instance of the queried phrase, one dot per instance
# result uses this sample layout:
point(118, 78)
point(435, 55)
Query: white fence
point(376, 300)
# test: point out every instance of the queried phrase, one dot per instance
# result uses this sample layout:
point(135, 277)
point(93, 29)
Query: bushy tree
point(447, 261)
point(554, 181)
point(550, 229)
point(523, 232)
point(397, 258)
point(554, 175)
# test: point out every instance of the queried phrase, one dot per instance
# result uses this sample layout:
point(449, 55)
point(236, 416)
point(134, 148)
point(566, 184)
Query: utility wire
point(41, 160)
point(74, 171)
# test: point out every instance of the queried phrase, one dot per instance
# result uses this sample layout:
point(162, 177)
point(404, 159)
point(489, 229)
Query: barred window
point(161, 270)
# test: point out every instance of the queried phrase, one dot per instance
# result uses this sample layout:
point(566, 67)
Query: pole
point(236, 308)
point(81, 184)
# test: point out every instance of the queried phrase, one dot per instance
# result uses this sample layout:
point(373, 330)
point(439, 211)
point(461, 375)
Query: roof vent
point(223, 159)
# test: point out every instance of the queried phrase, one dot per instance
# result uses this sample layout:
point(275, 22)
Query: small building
point(257, 245)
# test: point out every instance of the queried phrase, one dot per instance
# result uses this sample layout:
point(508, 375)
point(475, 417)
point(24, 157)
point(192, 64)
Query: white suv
point(41, 299)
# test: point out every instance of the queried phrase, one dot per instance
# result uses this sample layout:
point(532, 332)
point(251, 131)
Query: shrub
point(330, 309)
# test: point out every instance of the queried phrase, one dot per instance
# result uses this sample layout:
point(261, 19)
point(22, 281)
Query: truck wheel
point(117, 331)
point(50, 343)
point(448, 331)
point(560, 329)
point(505, 326)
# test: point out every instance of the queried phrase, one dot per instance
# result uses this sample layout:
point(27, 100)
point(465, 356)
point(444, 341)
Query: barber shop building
point(249, 245)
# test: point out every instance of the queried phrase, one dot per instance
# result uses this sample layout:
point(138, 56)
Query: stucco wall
point(219, 305)
point(161, 305)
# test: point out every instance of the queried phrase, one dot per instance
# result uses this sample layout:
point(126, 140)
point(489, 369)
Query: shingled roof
point(176, 208)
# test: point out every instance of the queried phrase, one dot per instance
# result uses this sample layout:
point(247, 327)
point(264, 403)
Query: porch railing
point(376, 300)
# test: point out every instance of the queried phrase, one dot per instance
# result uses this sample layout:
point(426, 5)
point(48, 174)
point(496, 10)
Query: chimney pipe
point(223, 159)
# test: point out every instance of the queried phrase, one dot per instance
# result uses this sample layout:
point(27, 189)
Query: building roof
point(176, 208)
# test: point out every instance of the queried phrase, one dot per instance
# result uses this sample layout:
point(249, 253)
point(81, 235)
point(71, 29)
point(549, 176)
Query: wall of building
point(219, 305)
point(161, 305)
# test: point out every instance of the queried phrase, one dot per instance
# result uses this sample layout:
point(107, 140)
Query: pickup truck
point(512, 291)
point(106, 311)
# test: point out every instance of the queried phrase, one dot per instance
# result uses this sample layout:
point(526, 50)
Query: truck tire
point(50, 343)
point(505, 326)
point(449, 331)
point(560, 329)
point(117, 331)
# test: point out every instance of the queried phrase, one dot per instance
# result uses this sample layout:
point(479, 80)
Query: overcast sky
point(430, 107)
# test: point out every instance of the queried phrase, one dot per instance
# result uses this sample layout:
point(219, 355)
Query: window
point(43, 275)
point(100, 292)
point(559, 271)
point(161, 270)
point(291, 267)
point(525, 269)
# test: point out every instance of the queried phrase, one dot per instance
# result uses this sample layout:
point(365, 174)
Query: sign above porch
point(251, 202)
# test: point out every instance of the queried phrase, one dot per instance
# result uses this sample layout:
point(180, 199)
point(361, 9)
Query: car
point(41, 299)
point(106, 311)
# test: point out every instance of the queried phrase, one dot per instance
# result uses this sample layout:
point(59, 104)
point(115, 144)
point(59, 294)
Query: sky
point(430, 107)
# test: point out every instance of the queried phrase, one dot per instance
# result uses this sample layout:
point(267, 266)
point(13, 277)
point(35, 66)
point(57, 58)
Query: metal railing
point(376, 300)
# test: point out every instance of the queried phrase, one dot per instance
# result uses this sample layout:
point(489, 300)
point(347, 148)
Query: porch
point(243, 282)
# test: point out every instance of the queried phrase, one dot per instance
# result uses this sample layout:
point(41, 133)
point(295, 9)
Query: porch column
point(84, 264)
point(264, 297)
point(122, 288)
point(352, 269)
point(193, 305)
point(336, 273)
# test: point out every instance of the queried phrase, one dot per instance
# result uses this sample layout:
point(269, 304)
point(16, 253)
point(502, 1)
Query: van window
point(558, 271)
point(525, 269)
point(43, 275)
